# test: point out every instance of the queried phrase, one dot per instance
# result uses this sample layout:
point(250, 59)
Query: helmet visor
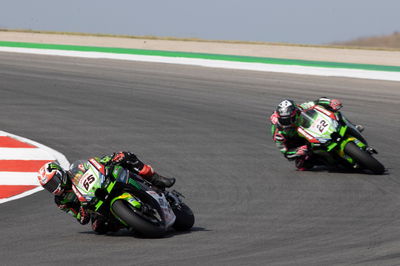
point(286, 120)
point(54, 184)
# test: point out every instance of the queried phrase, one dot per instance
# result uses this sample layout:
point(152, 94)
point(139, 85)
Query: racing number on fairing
point(322, 125)
point(89, 180)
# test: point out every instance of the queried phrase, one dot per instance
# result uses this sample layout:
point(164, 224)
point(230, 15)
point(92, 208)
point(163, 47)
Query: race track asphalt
point(208, 128)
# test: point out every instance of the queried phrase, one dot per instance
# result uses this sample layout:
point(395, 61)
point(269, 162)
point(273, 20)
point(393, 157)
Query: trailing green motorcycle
point(127, 199)
point(335, 141)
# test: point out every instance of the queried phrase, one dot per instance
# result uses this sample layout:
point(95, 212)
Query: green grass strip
point(235, 58)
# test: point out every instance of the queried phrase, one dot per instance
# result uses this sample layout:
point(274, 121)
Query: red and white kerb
point(19, 165)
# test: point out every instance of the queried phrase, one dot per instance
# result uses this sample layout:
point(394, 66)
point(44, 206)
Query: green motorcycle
point(129, 200)
point(335, 141)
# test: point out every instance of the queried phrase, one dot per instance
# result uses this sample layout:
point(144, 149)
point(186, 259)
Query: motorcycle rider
point(58, 181)
point(284, 123)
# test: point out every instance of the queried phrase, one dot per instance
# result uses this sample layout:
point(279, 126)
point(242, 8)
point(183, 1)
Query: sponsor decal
point(325, 112)
point(308, 136)
point(78, 194)
point(98, 165)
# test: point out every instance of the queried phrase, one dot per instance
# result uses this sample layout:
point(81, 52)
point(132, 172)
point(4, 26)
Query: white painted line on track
point(291, 69)
point(19, 178)
point(24, 154)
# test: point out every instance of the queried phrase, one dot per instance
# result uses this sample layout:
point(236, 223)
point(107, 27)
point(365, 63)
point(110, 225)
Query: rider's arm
point(330, 104)
point(130, 162)
point(280, 141)
point(279, 137)
point(307, 105)
point(69, 204)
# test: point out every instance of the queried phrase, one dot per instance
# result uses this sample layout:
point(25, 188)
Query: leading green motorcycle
point(335, 141)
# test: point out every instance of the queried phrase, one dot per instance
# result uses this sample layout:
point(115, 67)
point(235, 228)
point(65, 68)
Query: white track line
point(24, 154)
point(19, 178)
point(291, 69)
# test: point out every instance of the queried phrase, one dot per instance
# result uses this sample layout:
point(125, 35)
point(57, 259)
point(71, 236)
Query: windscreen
point(307, 118)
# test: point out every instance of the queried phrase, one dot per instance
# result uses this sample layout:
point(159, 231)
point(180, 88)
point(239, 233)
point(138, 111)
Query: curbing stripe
point(26, 180)
point(12, 190)
point(22, 195)
point(7, 142)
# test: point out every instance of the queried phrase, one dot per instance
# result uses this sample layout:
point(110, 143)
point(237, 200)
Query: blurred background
point(342, 22)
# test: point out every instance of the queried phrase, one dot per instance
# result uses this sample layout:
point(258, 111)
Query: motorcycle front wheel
point(184, 217)
point(363, 158)
point(137, 221)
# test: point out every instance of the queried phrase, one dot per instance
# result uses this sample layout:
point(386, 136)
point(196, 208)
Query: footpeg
point(371, 150)
point(360, 128)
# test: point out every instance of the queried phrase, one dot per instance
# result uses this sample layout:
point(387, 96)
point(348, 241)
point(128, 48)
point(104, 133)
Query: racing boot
point(162, 181)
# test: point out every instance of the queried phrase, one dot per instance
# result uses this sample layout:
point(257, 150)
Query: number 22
point(322, 125)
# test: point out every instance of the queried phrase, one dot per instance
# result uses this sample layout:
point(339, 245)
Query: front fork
point(129, 199)
point(342, 154)
point(174, 199)
point(341, 142)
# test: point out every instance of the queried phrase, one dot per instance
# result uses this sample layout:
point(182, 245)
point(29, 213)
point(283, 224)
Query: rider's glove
point(335, 104)
point(129, 161)
point(299, 152)
point(120, 157)
point(302, 151)
point(63, 206)
point(83, 216)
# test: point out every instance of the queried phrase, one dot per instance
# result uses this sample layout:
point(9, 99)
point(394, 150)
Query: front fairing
point(317, 127)
point(86, 179)
point(167, 213)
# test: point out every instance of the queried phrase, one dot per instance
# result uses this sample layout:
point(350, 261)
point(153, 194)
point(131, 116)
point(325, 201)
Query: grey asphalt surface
point(209, 128)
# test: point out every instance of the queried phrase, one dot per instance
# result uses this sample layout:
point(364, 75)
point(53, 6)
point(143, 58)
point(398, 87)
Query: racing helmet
point(287, 111)
point(53, 178)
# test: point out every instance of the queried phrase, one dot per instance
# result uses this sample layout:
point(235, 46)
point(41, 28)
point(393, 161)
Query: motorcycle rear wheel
point(363, 158)
point(139, 224)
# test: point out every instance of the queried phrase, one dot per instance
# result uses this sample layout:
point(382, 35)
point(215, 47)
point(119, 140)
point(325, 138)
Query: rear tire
point(139, 224)
point(184, 217)
point(363, 158)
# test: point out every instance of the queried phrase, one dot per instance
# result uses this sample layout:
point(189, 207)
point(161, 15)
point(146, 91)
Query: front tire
point(139, 224)
point(363, 158)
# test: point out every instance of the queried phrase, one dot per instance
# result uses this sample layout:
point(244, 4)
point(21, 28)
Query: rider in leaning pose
point(58, 181)
point(284, 122)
